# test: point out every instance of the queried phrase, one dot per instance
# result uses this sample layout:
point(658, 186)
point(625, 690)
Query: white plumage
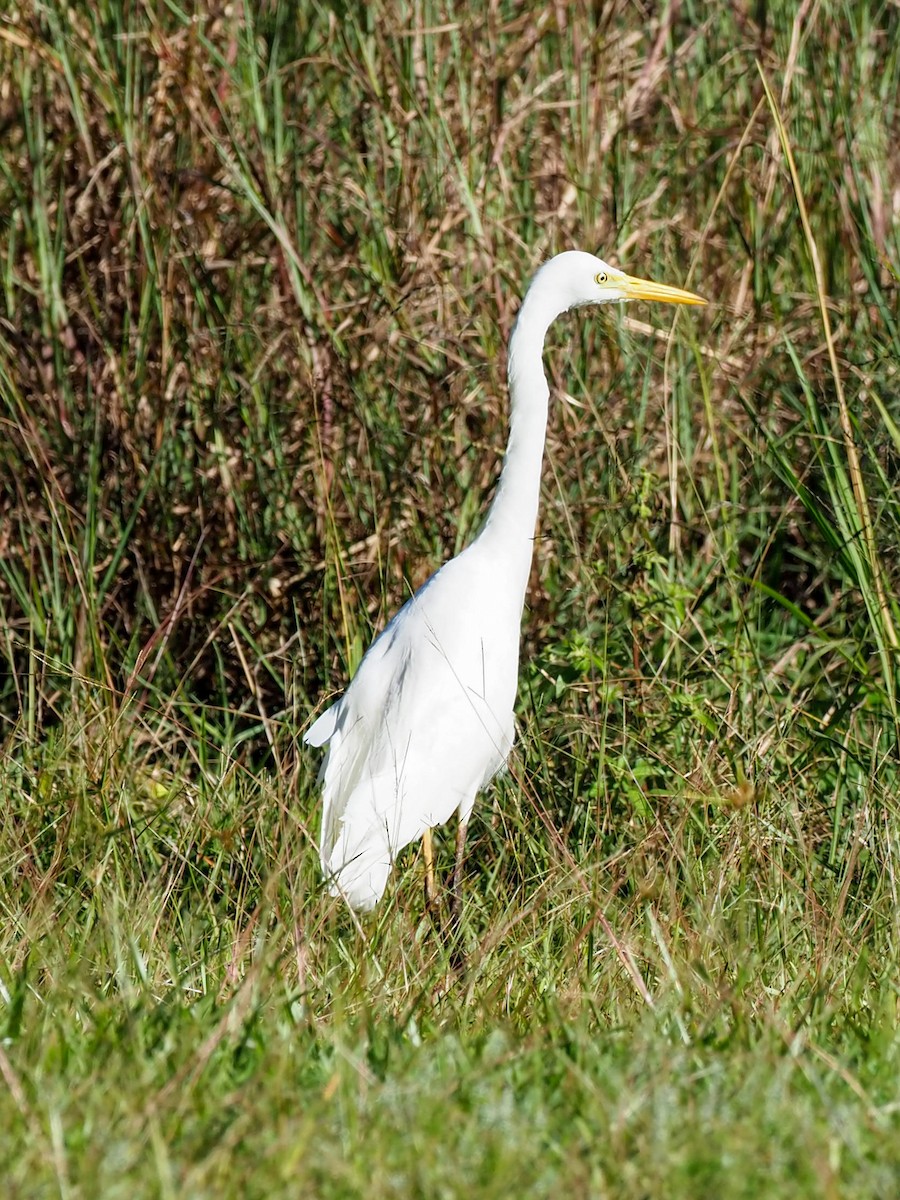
point(427, 720)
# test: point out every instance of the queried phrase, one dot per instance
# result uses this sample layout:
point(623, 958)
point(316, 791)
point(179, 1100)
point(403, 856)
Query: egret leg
point(428, 854)
point(456, 886)
point(457, 949)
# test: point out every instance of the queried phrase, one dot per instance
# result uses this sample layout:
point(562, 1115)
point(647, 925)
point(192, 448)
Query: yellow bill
point(646, 289)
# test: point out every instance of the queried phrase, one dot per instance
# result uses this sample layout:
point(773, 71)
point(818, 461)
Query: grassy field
point(258, 266)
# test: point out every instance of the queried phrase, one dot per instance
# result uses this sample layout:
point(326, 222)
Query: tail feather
point(360, 844)
point(360, 877)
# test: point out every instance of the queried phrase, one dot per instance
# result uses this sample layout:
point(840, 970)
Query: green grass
point(258, 266)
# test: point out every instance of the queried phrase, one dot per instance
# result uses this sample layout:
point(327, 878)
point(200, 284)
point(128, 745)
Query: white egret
point(427, 720)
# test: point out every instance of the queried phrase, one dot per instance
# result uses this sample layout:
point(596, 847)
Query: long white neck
point(509, 527)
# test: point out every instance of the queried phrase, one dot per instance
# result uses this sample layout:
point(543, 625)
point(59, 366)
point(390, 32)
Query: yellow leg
point(428, 853)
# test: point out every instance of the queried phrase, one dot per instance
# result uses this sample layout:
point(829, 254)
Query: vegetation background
point(258, 263)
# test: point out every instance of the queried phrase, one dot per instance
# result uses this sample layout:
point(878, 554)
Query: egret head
point(575, 279)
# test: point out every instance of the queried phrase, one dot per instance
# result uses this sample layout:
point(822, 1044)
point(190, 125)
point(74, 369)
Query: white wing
point(322, 729)
point(425, 723)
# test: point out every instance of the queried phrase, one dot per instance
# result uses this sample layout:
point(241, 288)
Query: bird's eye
point(602, 277)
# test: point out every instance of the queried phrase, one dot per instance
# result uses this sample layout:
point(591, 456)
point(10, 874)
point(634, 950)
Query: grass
point(258, 264)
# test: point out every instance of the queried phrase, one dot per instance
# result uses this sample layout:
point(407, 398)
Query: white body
point(426, 723)
point(427, 720)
